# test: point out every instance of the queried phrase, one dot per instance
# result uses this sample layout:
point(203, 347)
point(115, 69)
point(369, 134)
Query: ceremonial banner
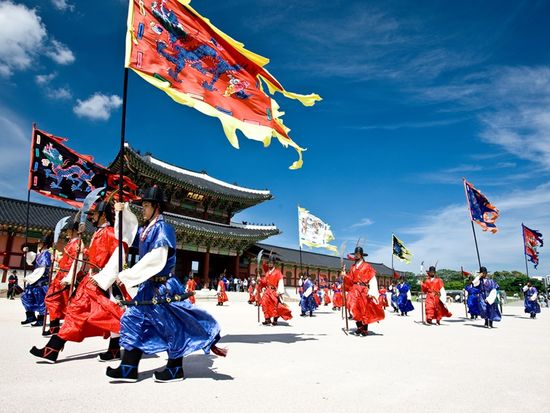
point(532, 240)
point(482, 212)
point(465, 273)
point(400, 251)
point(313, 232)
point(177, 50)
point(58, 172)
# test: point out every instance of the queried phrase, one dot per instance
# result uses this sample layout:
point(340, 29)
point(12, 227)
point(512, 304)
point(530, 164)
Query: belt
point(160, 278)
point(273, 288)
point(362, 284)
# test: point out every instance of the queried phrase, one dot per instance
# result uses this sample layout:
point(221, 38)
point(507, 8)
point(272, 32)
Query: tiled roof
point(191, 180)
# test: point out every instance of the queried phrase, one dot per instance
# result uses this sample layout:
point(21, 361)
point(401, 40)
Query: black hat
point(359, 250)
point(74, 227)
point(152, 194)
point(272, 258)
point(483, 270)
point(99, 206)
point(47, 239)
point(431, 269)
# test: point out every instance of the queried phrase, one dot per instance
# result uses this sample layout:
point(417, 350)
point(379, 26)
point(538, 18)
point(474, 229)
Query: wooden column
point(7, 255)
point(236, 267)
point(205, 269)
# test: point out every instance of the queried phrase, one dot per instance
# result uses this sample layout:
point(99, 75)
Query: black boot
point(490, 323)
point(311, 313)
point(267, 322)
point(275, 320)
point(364, 330)
point(127, 371)
point(172, 372)
point(39, 321)
point(303, 315)
point(31, 318)
point(359, 325)
point(54, 328)
point(113, 351)
point(51, 351)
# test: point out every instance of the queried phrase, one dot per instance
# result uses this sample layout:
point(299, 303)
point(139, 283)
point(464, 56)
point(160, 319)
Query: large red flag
point(174, 48)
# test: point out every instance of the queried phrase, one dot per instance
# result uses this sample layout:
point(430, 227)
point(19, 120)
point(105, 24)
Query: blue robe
point(179, 328)
point(34, 295)
point(393, 298)
point(404, 304)
point(531, 307)
point(307, 304)
point(488, 311)
point(473, 300)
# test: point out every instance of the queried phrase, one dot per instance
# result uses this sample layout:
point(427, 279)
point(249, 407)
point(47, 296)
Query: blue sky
point(414, 98)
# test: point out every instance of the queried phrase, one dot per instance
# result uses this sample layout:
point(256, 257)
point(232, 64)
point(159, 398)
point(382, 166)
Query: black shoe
point(125, 372)
point(50, 331)
point(39, 321)
point(51, 351)
point(267, 322)
point(169, 374)
point(303, 315)
point(113, 352)
point(31, 318)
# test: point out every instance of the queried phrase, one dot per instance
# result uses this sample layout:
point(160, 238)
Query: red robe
point(435, 309)
point(337, 299)
point(191, 286)
point(271, 306)
point(57, 303)
point(382, 299)
point(90, 313)
point(363, 307)
point(326, 296)
point(251, 293)
point(222, 295)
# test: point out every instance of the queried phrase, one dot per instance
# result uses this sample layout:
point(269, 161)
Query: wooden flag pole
point(121, 168)
point(524, 251)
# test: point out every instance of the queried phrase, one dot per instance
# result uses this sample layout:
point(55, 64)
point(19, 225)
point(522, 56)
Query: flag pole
point(26, 238)
point(121, 168)
point(464, 290)
point(471, 221)
point(524, 252)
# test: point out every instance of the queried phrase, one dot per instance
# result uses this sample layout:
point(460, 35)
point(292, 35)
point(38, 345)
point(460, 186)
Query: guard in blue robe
point(404, 298)
point(393, 298)
point(473, 301)
point(532, 306)
point(307, 302)
point(177, 327)
point(37, 283)
point(488, 302)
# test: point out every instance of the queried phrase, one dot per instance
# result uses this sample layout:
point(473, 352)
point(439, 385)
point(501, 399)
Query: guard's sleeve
point(373, 286)
point(476, 281)
point(129, 225)
point(107, 276)
point(409, 295)
point(525, 288)
point(76, 266)
point(280, 287)
point(308, 291)
point(492, 296)
point(443, 295)
point(219, 289)
point(35, 275)
point(30, 257)
point(534, 297)
point(148, 266)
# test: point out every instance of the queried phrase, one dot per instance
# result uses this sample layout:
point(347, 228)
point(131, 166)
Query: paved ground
point(309, 364)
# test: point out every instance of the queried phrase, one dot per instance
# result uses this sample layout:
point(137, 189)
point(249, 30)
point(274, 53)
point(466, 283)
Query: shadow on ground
point(268, 338)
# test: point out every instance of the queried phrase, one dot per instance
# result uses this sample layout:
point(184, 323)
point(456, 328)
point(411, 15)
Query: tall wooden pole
point(121, 169)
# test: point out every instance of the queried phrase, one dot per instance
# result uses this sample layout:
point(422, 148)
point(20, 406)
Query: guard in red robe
point(222, 295)
point(90, 312)
point(337, 299)
point(251, 292)
point(436, 297)
point(191, 286)
point(57, 297)
point(326, 297)
point(272, 299)
point(382, 299)
point(363, 292)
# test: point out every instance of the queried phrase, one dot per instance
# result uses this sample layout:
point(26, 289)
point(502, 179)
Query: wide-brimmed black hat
point(483, 270)
point(359, 250)
point(431, 269)
point(152, 194)
point(47, 239)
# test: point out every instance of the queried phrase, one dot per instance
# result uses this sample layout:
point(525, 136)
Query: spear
point(58, 228)
point(421, 293)
point(86, 205)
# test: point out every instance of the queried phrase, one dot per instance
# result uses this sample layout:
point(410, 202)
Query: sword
point(342, 265)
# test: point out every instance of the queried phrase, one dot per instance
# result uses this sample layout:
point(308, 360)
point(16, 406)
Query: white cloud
point(97, 106)
point(60, 53)
point(45, 79)
point(364, 222)
point(62, 5)
point(62, 93)
point(22, 34)
point(446, 236)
